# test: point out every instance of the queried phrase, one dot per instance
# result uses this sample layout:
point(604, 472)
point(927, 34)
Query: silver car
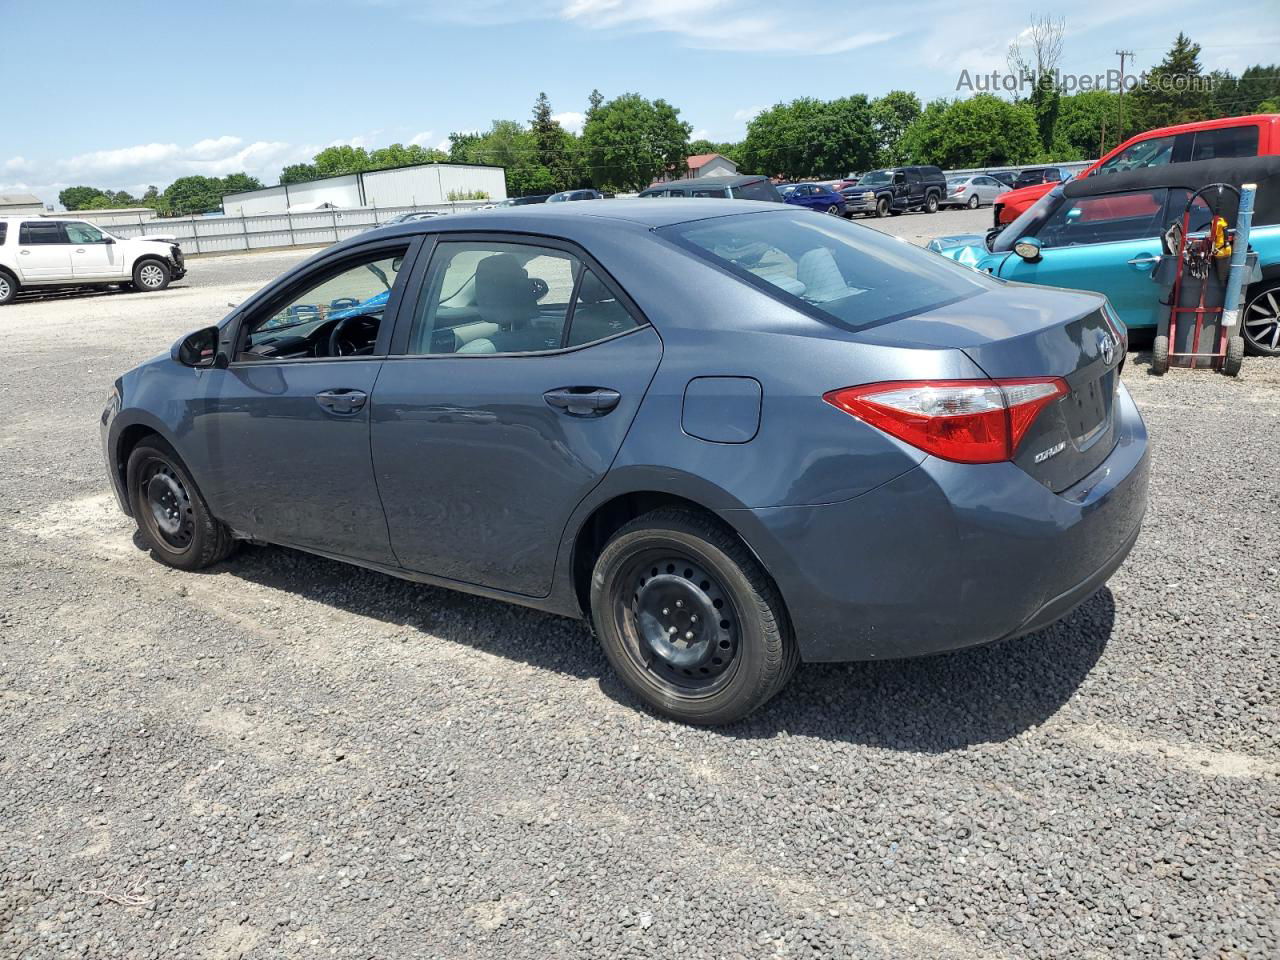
point(972, 191)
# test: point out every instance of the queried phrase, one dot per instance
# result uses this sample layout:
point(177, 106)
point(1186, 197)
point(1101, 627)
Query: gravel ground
point(287, 757)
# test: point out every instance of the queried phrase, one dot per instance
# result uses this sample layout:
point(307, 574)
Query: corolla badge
point(1107, 347)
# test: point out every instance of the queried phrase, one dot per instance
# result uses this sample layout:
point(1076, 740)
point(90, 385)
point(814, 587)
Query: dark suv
point(731, 188)
point(1034, 176)
point(896, 190)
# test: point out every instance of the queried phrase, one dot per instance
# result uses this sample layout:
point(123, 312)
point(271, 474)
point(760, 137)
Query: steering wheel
point(338, 347)
point(540, 287)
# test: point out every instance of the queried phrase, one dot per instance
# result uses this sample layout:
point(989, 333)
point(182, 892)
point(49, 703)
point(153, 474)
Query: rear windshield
point(848, 274)
point(756, 190)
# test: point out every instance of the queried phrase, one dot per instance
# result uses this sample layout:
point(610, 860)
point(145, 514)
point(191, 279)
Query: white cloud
point(571, 120)
point(702, 133)
point(15, 164)
point(421, 139)
point(746, 113)
point(444, 144)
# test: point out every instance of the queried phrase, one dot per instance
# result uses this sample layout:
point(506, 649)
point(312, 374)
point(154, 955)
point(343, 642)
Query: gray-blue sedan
point(732, 435)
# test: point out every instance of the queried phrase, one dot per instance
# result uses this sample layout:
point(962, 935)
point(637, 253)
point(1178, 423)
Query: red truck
point(1258, 135)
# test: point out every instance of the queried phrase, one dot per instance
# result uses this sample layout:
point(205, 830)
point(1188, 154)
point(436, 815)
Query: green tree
point(812, 138)
point(629, 141)
point(1257, 91)
point(341, 160)
point(398, 155)
point(299, 173)
point(78, 198)
point(239, 183)
point(1083, 119)
point(550, 147)
point(978, 132)
point(593, 103)
point(155, 200)
point(1175, 91)
point(1037, 62)
point(891, 115)
point(731, 151)
point(194, 194)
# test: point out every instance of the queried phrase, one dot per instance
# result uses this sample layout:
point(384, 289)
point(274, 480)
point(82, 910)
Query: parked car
point(814, 196)
point(409, 217)
point(1033, 176)
point(1104, 234)
point(673, 419)
point(728, 188)
point(971, 191)
point(1006, 177)
point(897, 190)
point(1252, 136)
point(575, 195)
point(48, 252)
point(523, 201)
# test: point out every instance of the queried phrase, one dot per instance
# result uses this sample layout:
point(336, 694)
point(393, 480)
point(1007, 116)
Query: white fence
point(199, 235)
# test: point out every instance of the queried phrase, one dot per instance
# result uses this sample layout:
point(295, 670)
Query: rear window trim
point(670, 234)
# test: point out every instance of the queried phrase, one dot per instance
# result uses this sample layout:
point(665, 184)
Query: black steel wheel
point(688, 619)
point(170, 512)
point(1234, 359)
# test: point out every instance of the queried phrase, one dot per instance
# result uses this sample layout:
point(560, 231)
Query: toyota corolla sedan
point(731, 435)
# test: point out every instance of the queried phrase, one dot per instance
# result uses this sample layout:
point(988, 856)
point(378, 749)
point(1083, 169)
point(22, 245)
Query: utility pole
point(1122, 54)
point(1102, 144)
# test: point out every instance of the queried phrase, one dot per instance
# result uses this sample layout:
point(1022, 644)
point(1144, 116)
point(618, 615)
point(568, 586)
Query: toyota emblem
point(1107, 347)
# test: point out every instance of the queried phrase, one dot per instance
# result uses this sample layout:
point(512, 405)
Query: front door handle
point(1144, 262)
point(342, 401)
point(583, 401)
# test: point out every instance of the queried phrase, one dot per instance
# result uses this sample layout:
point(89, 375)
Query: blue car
point(731, 434)
point(815, 196)
point(1104, 234)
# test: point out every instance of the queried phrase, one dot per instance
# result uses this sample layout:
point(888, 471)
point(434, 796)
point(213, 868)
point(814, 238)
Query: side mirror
point(107, 239)
point(199, 349)
point(1028, 248)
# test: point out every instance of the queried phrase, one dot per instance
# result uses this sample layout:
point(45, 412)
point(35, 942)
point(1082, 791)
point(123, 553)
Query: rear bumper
point(951, 555)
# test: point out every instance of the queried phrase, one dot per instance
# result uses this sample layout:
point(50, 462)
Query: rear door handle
point(342, 401)
point(583, 401)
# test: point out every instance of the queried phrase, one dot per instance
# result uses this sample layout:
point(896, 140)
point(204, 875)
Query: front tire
point(931, 203)
point(882, 208)
point(1261, 321)
point(688, 618)
point(150, 275)
point(172, 516)
point(8, 287)
point(833, 210)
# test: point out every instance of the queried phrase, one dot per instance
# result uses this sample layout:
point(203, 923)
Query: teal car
point(1103, 234)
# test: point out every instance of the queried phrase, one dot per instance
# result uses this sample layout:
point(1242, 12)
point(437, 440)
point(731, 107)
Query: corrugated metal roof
point(20, 200)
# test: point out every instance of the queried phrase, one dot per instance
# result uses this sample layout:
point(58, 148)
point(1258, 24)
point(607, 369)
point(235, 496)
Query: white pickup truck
point(56, 252)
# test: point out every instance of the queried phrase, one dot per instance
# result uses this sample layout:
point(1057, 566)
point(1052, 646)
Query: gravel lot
point(287, 757)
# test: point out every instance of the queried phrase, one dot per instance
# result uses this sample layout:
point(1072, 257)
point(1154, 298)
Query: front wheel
point(8, 287)
point(172, 516)
point(688, 618)
point(834, 210)
point(1261, 322)
point(931, 203)
point(150, 275)
point(882, 208)
point(1160, 356)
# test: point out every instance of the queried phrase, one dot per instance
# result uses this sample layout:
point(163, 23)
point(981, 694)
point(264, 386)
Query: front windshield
point(1145, 153)
point(1028, 224)
point(844, 273)
point(876, 178)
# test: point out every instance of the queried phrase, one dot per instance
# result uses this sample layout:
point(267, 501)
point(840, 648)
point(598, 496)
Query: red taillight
point(968, 421)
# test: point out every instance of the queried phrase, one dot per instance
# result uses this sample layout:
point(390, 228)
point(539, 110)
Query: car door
point(283, 431)
point(513, 381)
point(94, 255)
point(43, 252)
point(987, 188)
point(1108, 244)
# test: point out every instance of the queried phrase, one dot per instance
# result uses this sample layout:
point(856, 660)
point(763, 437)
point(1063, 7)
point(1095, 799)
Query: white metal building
point(419, 185)
point(20, 205)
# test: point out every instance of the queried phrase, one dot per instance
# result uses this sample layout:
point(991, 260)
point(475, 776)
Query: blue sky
point(124, 94)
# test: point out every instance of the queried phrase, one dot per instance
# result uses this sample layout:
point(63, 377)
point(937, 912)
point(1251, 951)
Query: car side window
point(597, 313)
point(1144, 153)
point(33, 234)
point(84, 233)
point(4, 232)
point(1225, 142)
point(1107, 219)
point(483, 297)
point(337, 314)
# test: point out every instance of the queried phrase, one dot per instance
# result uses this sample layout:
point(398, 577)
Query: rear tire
point(973, 202)
point(1160, 356)
point(1232, 362)
point(150, 275)
point(931, 203)
point(8, 287)
point(172, 516)
point(688, 618)
point(882, 208)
